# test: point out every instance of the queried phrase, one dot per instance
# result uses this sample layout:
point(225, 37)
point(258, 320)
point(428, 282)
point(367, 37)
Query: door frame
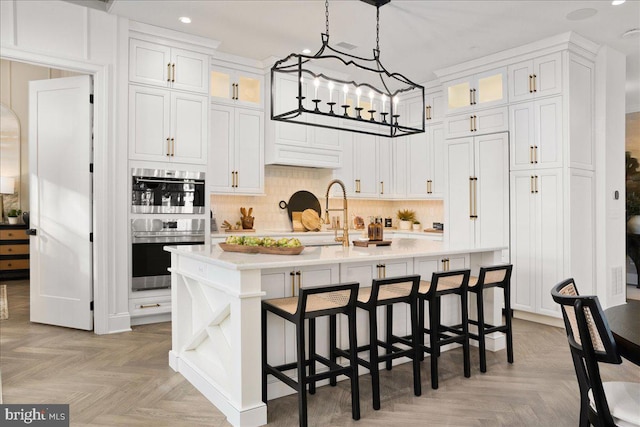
point(105, 215)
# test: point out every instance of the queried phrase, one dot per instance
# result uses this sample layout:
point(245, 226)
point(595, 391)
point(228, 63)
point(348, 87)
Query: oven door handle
point(164, 181)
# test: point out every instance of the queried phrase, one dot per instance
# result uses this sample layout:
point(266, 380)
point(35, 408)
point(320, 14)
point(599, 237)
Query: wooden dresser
point(14, 252)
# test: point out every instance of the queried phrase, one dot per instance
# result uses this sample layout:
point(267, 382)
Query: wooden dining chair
point(591, 342)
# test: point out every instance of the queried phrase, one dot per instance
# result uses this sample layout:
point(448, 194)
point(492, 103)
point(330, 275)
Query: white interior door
point(60, 151)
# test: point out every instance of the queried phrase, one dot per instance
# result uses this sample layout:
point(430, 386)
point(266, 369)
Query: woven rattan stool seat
point(317, 302)
point(385, 293)
point(444, 284)
point(489, 278)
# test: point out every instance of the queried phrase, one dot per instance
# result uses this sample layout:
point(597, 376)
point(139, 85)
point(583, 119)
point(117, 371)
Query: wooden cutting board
point(311, 220)
point(296, 221)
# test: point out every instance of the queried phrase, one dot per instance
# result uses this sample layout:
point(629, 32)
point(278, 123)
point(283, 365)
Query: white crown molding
point(143, 31)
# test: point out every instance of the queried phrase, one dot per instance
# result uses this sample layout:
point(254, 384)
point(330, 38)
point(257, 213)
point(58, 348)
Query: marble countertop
point(399, 248)
point(289, 233)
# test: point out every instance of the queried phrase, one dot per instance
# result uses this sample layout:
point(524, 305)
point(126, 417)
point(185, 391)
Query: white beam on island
point(216, 311)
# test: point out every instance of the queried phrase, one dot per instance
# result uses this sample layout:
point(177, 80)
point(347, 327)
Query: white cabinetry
point(425, 166)
point(536, 77)
point(477, 123)
point(286, 282)
point(434, 106)
point(299, 145)
point(477, 212)
point(537, 250)
point(479, 91)
point(236, 87)
point(536, 134)
point(236, 160)
point(160, 65)
point(166, 125)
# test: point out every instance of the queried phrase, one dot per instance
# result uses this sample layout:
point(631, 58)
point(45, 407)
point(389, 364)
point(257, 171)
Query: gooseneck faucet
point(345, 227)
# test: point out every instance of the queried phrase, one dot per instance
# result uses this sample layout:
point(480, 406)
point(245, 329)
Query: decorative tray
point(365, 243)
point(260, 249)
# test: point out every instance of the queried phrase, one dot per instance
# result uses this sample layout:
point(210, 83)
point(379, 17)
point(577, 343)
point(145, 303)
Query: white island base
point(216, 339)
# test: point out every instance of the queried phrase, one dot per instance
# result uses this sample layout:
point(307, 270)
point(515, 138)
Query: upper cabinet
point(482, 90)
point(535, 78)
point(167, 126)
point(236, 87)
point(434, 106)
point(168, 67)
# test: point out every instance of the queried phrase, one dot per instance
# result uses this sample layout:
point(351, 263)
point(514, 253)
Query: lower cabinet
point(286, 282)
point(537, 244)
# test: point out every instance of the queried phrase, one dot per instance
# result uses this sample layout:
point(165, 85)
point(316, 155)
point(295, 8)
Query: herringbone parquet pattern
point(124, 380)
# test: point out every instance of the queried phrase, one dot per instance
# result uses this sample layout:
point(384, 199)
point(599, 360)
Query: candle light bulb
point(345, 89)
point(316, 83)
point(330, 86)
point(395, 102)
point(358, 93)
point(383, 98)
point(371, 98)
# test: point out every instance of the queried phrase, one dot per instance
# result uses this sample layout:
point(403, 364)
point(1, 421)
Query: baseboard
point(154, 318)
point(120, 322)
point(539, 318)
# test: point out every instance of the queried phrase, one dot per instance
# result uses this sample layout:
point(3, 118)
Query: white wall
point(71, 37)
point(610, 146)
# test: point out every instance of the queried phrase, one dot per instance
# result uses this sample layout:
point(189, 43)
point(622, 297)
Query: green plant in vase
point(406, 217)
point(13, 215)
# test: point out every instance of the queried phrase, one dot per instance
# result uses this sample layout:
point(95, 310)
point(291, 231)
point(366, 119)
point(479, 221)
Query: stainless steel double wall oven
point(168, 194)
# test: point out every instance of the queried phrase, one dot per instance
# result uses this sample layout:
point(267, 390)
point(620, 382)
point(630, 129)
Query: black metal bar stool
point(386, 292)
point(498, 276)
point(444, 283)
point(312, 303)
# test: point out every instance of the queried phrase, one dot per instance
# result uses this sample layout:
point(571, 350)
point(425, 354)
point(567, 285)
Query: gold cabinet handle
point(381, 187)
point(531, 154)
point(149, 305)
point(237, 179)
point(535, 154)
point(168, 146)
point(535, 83)
point(384, 271)
point(474, 100)
point(173, 73)
point(292, 274)
point(531, 184)
point(299, 275)
point(470, 123)
point(474, 212)
point(475, 122)
point(169, 72)
point(357, 185)
point(536, 183)
point(429, 190)
point(530, 83)
point(173, 147)
point(471, 197)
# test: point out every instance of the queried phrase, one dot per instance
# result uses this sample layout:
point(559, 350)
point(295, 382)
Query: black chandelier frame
point(388, 124)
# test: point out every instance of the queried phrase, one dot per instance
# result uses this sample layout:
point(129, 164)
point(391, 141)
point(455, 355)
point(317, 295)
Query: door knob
point(31, 232)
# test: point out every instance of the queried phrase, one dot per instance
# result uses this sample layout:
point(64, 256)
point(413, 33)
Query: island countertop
point(399, 248)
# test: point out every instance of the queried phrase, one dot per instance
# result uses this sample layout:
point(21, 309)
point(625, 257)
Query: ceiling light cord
point(378, 28)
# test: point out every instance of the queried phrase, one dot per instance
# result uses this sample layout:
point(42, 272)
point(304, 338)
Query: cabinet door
point(522, 128)
point(221, 86)
point(385, 163)
point(399, 175)
point(459, 126)
point(436, 162)
point(249, 151)
point(521, 81)
point(365, 158)
point(149, 63)
point(221, 148)
point(459, 225)
point(491, 187)
point(458, 95)
point(548, 132)
point(522, 247)
point(414, 112)
point(191, 71)
point(549, 238)
point(189, 127)
point(149, 120)
point(490, 121)
point(277, 283)
point(419, 164)
point(249, 91)
point(434, 103)
point(491, 88)
point(547, 72)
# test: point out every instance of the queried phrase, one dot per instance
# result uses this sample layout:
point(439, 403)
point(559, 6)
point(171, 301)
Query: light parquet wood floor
point(124, 380)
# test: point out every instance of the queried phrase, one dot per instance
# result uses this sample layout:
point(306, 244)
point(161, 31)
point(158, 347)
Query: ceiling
point(416, 36)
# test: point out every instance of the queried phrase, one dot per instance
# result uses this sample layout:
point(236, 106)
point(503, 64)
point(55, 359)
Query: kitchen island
point(216, 309)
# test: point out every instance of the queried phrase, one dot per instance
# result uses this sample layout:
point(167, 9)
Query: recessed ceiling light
point(631, 33)
point(617, 2)
point(306, 51)
point(580, 14)
point(185, 20)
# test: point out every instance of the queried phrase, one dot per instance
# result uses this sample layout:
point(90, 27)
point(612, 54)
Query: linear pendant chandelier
point(337, 90)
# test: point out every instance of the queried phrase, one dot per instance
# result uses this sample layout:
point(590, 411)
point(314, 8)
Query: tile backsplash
point(282, 181)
